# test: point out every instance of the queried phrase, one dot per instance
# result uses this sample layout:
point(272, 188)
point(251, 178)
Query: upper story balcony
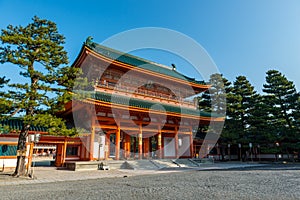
point(143, 93)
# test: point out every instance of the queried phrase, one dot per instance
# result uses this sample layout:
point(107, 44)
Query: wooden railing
point(144, 94)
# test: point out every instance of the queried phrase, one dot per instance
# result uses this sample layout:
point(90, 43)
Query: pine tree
point(4, 103)
point(37, 50)
point(282, 100)
point(241, 108)
point(262, 126)
point(214, 101)
point(297, 115)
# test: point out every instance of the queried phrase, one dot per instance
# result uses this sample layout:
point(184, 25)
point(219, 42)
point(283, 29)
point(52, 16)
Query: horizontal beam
point(103, 119)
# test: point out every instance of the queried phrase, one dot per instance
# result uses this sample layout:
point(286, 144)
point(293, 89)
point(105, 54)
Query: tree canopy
point(263, 119)
point(37, 49)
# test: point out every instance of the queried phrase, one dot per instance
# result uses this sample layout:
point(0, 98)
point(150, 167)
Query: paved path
point(51, 174)
point(277, 181)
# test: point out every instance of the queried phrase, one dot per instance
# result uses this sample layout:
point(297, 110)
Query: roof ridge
point(94, 44)
point(122, 56)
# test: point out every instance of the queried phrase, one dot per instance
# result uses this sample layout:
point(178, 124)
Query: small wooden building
point(49, 147)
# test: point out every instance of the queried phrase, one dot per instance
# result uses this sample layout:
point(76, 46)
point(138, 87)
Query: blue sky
point(242, 37)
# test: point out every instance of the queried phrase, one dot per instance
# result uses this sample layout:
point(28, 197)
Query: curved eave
point(138, 109)
point(80, 57)
point(85, 50)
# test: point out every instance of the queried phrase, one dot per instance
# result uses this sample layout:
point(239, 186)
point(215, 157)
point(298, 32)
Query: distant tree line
point(269, 120)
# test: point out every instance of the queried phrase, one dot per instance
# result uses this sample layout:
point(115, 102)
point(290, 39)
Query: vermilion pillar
point(159, 149)
point(127, 146)
point(140, 140)
point(59, 155)
point(146, 147)
point(191, 144)
point(65, 150)
point(92, 136)
point(117, 148)
point(107, 146)
point(91, 149)
point(176, 143)
point(30, 156)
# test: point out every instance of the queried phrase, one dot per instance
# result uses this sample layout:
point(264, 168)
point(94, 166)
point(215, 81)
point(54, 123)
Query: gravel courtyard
point(255, 183)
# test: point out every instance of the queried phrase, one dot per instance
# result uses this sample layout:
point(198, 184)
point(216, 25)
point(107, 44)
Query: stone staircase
point(186, 163)
point(150, 164)
point(116, 164)
point(202, 160)
point(141, 165)
point(165, 163)
point(137, 164)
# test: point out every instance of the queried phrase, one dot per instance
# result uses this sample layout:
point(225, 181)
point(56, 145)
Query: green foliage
point(241, 107)
point(263, 119)
point(214, 99)
point(261, 125)
point(4, 129)
point(259, 119)
point(5, 104)
point(268, 149)
point(282, 101)
point(54, 125)
point(37, 50)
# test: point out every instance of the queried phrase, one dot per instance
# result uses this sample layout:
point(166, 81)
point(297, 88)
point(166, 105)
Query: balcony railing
point(144, 94)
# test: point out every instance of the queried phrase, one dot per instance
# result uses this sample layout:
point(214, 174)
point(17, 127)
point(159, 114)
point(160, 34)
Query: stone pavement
point(52, 174)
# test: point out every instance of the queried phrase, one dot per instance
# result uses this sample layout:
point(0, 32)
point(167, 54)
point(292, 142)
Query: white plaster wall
point(102, 148)
point(184, 150)
point(169, 146)
point(10, 162)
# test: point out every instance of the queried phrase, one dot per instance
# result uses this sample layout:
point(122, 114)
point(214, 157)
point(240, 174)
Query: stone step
point(116, 164)
point(142, 165)
point(165, 163)
point(186, 163)
point(203, 160)
point(82, 165)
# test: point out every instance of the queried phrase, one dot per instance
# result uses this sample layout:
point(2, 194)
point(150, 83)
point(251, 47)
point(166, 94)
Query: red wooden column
point(159, 150)
point(176, 143)
point(140, 140)
point(134, 147)
point(146, 147)
point(107, 146)
point(117, 147)
point(65, 150)
point(127, 146)
point(81, 156)
point(59, 155)
point(91, 153)
point(30, 157)
point(191, 143)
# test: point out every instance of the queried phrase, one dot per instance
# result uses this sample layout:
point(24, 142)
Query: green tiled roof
point(122, 100)
point(17, 124)
point(139, 62)
point(8, 150)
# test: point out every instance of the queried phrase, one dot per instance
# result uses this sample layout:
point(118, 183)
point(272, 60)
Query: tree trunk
point(20, 169)
point(21, 149)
